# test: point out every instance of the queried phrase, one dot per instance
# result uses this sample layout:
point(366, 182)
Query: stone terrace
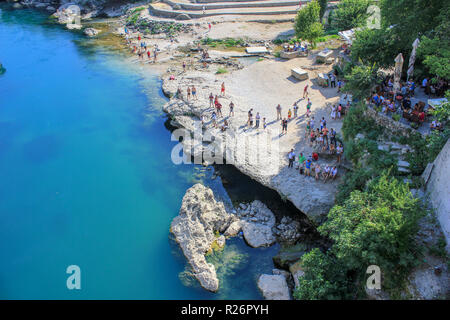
point(193, 9)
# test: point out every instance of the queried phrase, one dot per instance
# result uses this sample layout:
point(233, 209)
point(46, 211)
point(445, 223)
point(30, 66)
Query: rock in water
point(257, 225)
point(273, 287)
point(200, 216)
point(91, 32)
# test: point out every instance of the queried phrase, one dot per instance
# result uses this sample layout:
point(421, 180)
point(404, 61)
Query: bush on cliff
point(324, 278)
point(372, 227)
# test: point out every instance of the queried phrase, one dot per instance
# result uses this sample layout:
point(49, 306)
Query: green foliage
point(307, 23)
point(324, 278)
point(402, 22)
point(227, 42)
point(442, 111)
point(356, 122)
point(396, 117)
point(435, 50)
point(221, 71)
point(361, 80)
point(323, 7)
point(378, 227)
point(350, 14)
point(426, 149)
point(353, 180)
point(326, 38)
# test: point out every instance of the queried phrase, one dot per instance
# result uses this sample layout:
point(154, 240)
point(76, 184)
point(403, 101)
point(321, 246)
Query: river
point(87, 179)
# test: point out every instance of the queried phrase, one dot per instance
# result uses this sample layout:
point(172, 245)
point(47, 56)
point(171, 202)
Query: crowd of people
point(392, 101)
point(141, 49)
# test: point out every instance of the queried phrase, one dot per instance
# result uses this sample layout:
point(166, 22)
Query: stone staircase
point(197, 9)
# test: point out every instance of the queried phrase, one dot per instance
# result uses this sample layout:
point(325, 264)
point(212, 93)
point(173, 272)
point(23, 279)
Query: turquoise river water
point(86, 177)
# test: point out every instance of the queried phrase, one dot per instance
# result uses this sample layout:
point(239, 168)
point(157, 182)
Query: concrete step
point(226, 5)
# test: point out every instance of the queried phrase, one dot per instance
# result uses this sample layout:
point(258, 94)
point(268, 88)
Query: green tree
point(434, 49)
point(350, 14)
point(324, 279)
point(377, 226)
point(377, 46)
point(361, 80)
point(307, 23)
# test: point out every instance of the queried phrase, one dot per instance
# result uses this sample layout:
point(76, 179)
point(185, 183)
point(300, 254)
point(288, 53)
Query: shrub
point(356, 122)
point(324, 278)
point(376, 227)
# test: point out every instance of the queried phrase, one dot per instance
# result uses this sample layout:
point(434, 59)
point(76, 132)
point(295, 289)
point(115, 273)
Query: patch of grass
point(327, 38)
point(221, 70)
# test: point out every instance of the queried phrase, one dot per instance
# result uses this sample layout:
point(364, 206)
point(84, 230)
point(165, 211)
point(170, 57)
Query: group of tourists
point(141, 48)
point(310, 167)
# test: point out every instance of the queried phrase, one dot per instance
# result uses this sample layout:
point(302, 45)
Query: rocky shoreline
point(204, 225)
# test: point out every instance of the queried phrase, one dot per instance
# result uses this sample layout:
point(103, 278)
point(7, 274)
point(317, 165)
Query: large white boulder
point(200, 216)
point(273, 287)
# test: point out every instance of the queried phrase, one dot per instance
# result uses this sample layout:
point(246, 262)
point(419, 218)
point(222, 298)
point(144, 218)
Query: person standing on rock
point(291, 157)
point(214, 119)
point(279, 112)
point(307, 128)
point(284, 124)
point(149, 54)
point(339, 152)
point(250, 119)
point(301, 162)
point(295, 110)
point(264, 123)
point(194, 93)
point(211, 100)
point(188, 93)
point(222, 89)
point(231, 109)
point(305, 92)
point(333, 136)
point(325, 135)
point(209, 26)
point(257, 119)
point(308, 108)
point(184, 66)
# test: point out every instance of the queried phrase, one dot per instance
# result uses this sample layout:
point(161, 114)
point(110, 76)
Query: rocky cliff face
point(257, 154)
point(437, 178)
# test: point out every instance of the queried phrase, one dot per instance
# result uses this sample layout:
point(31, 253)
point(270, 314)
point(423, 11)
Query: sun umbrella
point(412, 59)
point(398, 72)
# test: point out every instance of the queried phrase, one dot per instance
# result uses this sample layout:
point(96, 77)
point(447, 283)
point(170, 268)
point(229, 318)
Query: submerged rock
point(91, 32)
point(273, 287)
point(200, 216)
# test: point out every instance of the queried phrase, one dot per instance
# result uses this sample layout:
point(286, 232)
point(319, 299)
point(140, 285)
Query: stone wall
point(389, 123)
point(438, 188)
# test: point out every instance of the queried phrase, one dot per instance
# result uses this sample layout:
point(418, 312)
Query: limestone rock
point(233, 229)
point(257, 225)
point(91, 32)
point(297, 272)
point(273, 287)
point(73, 26)
point(200, 216)
point(315, 200)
